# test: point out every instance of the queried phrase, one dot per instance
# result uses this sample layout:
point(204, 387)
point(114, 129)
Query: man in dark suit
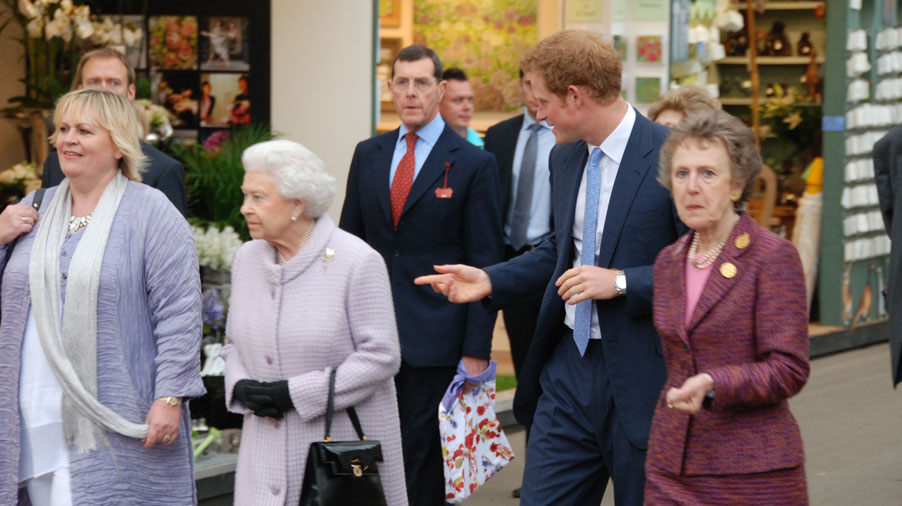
point(421, 195)
point(108, 69)
point(521, 146)
point(594, 369)
point(888, 173)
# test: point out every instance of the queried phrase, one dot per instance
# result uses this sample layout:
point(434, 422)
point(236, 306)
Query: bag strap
point(330, 406)
point(36, 204)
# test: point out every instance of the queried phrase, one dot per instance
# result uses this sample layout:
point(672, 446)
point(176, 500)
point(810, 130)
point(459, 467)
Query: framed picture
point(204, 62)
point(224, 100)
point(173, 42)
point(224, 44)
point(390, 13)
point(178, 93)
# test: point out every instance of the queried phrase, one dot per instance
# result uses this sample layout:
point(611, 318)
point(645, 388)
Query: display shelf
point(787, 6)
point(769, 60)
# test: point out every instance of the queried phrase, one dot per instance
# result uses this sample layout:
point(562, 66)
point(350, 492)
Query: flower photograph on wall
point(485, 39)
point(173, 42)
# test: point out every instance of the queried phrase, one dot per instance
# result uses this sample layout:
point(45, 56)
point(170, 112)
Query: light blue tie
point(582, 326)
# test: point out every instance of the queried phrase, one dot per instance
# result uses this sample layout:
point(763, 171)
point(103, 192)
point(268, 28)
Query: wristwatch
point(171, 401)
point(620, 283)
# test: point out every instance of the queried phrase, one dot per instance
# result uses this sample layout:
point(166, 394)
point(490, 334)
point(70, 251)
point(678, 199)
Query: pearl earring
point(294, 218)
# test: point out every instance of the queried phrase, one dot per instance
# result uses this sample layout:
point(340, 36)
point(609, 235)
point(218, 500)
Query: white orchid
point(84, 29)
point(67, 6)
point(131, 36)
point(35, 28)
point(28, 9)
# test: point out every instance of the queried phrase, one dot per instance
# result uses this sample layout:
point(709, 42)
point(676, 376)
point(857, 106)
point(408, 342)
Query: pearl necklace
point(303, 242)
point(76, 224)
point(706, 260)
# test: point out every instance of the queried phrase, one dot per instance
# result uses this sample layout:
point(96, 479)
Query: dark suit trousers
point(576, 441)
point(520, 321)
point(420, 390)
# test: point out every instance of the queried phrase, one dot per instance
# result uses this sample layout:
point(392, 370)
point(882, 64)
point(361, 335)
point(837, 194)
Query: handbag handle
point(330, 405)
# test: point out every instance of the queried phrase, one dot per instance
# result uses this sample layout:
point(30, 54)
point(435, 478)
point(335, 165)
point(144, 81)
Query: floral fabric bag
point(474, 446)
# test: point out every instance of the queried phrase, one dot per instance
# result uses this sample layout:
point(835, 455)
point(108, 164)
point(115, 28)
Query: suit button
point(276, 425)
point(269, 360)
point(396, 252)
point(275, 490)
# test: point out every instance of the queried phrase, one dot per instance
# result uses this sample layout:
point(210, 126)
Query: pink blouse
point(695, 283)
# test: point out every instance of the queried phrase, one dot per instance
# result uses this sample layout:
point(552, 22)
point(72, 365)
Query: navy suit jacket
point(162, 172)
point(465, 228)
point(641, 220)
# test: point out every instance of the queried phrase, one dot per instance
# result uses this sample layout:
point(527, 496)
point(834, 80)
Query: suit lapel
point(433, 168)
point(722, 279)
point(382, 173)
point(633, 168)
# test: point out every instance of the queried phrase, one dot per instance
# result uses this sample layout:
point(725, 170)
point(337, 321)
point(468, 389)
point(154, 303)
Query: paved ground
point(851, 422)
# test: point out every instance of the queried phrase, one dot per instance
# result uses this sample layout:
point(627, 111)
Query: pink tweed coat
point(328, 307)
point(749, 331)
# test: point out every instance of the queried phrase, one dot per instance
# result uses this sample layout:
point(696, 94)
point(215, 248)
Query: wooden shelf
point(737, 100)
point(768, 60)
point(787, 6)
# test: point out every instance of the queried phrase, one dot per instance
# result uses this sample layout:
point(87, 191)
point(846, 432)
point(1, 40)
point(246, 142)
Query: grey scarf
point(72, 349)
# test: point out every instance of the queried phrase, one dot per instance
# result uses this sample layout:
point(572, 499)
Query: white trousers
point(51, 489)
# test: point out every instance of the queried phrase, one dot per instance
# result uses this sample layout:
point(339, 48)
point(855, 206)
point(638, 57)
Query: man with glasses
point(421, 195)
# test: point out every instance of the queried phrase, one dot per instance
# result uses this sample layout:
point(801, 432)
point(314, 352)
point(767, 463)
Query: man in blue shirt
point(456, 106)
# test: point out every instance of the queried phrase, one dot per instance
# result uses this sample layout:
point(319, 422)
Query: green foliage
point(505, 382)
point(485, 39)
point(213, 178)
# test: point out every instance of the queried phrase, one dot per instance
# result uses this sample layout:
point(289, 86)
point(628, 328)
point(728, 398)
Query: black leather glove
point(256, 397)
point(281, 397)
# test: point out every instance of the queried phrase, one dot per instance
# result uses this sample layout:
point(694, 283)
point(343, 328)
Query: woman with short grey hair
point(307, 299)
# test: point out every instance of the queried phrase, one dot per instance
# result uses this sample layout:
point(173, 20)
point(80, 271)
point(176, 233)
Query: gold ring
point(25, 219)
point(669, 405)
point(166, 438)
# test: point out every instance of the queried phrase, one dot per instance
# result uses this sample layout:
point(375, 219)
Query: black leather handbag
point(342, 473)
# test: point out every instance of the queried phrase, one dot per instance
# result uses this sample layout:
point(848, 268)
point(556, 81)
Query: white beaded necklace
point(706, 260)
point(303, 242)
point(77, 223)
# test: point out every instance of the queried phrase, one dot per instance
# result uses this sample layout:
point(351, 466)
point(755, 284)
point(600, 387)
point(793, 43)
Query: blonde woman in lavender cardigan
point(307, 298)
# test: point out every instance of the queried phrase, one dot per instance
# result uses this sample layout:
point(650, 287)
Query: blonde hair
point(685, 99)
point(576, 57)
point(113, 113)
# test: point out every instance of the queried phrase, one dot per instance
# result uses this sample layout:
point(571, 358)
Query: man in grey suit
point(888, 171)
point(108, 69)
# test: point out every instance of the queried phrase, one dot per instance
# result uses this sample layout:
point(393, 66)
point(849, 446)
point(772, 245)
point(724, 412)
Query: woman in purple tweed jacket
point(729, 303)
point(307, 298)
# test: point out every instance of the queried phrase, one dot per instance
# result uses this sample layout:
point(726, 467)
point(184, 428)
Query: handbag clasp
point(357, 469)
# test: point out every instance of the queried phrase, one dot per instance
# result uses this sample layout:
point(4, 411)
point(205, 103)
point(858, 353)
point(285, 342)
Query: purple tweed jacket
point(749, 331)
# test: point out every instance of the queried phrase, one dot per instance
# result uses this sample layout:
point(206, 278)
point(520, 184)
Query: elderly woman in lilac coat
point(101, 326)
point(307, 298)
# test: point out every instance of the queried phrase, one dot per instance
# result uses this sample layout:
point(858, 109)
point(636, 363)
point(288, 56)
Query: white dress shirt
point(613, 148)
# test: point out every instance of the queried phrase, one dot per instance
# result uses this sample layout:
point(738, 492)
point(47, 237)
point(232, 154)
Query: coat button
point(396, 253)
point(276, 424)
point(686, 348)
point(275, 490)
point(63, 253)
point(269, 360)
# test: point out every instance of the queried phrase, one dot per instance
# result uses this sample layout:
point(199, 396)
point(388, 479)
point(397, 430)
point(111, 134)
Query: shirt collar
point(528, 121)
point(429, 133)
point(615, 144)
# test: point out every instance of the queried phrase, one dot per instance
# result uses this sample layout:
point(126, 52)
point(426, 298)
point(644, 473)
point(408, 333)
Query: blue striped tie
point(582, 326)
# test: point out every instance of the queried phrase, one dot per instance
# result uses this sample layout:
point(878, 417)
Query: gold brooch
point(727, 270)
point(742, 241)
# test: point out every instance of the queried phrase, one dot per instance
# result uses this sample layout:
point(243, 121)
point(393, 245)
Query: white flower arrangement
point(216, 248)
point(69, 20)
point(155, 120)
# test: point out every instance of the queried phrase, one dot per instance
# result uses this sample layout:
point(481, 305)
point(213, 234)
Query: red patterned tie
point(400, 186)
